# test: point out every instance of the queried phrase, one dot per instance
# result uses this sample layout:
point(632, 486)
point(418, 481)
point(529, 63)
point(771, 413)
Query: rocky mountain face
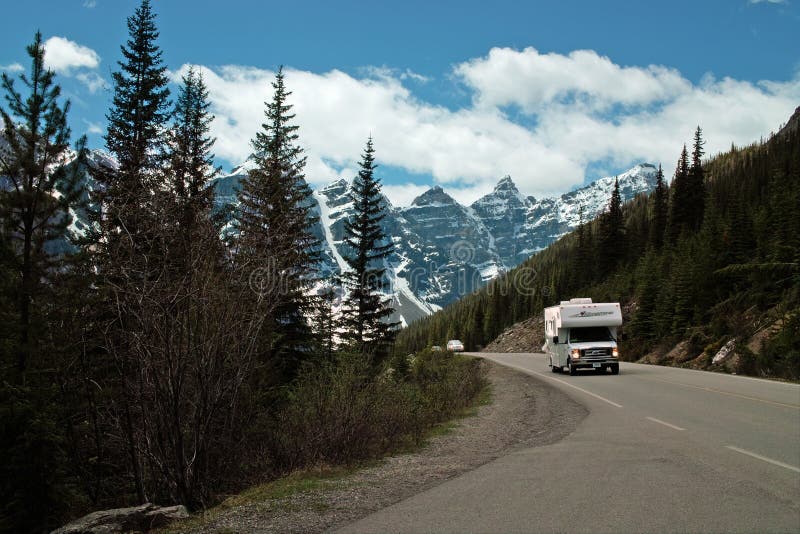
point(444, 250)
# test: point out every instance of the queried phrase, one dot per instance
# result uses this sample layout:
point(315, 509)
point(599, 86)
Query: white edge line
point(595, 395)
point(659, 421)
point(764, 458)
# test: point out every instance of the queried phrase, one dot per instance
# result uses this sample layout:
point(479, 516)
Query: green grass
point(300, 482)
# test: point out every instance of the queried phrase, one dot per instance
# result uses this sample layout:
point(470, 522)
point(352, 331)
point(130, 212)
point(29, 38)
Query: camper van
point(581, 334)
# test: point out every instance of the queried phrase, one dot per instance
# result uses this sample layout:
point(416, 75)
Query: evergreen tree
point(190, 162)
point(696, 182)
point(130, 250)
point(648, 276)
point(612, 226)
point(325, 322)
point(38, 191)
point(660, 210)
point(275, 231)
point(583, 273)
point(140, 108)
point(365, 313)
point(680, 201)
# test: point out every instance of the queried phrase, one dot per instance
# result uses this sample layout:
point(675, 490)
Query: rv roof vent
point(580, 301)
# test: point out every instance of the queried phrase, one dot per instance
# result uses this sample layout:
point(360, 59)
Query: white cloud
point(768, 1)
point(576, 110)
point(403, 194)
point(12, 68)
point(93, 81)
point(90, 4)
point(93, 127)
point(534, 81)
point(72, 59)
point(63, 55)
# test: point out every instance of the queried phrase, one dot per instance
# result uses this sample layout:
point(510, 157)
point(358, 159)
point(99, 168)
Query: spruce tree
point(582, 274)
point(680, 201)
point(612, 245)
point(140, 107)
point(135, 137)
point(660, 210)
point(275, 232)
point(696, 184)
point(190, 162)
point(366, 312)
point(130, 247)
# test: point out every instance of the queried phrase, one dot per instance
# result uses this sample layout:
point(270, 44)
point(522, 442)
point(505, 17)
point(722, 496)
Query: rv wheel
point(615, 369)
point(572, 370)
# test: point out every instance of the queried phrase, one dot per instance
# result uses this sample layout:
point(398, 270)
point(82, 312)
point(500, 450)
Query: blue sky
point(456, 93)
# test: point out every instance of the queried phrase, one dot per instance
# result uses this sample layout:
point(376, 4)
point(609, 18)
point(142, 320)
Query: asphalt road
point(663, 450)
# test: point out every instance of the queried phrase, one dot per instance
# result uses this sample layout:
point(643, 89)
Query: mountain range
point(443, 249)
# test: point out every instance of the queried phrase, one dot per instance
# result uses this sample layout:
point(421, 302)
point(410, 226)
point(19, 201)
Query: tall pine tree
point(275, 232)
point(366, 312)
point(38, 191)
point(660, 210)
point(612, 230)
point(679, 202)
point(131, 243)
point(190, 162)
point(140, 107)
point(696, 182)
point(36, 194)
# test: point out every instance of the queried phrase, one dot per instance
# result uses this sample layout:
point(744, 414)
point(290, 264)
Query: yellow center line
point(722, 392)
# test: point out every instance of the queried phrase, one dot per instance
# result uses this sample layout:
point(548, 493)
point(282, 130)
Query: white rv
point(581, 334)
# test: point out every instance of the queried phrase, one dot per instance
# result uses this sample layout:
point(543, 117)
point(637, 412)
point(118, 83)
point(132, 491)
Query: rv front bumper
point(594, 364)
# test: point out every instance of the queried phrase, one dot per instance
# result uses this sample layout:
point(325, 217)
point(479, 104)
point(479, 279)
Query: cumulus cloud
point(63, 55)
point(533, 80)
point(72, 59)
point(542, 118)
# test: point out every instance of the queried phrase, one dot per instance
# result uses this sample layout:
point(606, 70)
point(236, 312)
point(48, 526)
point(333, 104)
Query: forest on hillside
point(712, 257)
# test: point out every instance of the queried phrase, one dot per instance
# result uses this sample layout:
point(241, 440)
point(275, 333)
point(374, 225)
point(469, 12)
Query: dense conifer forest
point(713, 257)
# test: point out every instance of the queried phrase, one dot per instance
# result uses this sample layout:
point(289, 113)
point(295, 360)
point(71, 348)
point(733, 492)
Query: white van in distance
point(580, 334)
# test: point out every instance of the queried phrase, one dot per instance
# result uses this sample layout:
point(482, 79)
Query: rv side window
point(589, 333)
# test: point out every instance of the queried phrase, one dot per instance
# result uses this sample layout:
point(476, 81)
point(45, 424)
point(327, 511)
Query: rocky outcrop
point(525, 336)
point(136, 518)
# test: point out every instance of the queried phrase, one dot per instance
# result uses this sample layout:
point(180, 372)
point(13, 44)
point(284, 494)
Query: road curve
point(663, 450)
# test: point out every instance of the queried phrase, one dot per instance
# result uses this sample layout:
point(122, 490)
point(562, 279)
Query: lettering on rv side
point(590, 314)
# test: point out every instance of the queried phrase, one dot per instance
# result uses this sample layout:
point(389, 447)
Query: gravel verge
point(523, 412)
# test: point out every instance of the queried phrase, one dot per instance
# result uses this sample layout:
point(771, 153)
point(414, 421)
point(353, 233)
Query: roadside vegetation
point(340, 417)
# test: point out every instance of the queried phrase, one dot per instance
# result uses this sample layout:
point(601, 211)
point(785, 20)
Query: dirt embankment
point(523, 412)
point(525, 336)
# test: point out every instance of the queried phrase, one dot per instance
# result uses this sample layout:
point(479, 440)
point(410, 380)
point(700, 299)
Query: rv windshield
point(589, 333)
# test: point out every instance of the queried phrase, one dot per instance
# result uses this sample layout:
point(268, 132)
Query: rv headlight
point(576, 354)
point(615, 352)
